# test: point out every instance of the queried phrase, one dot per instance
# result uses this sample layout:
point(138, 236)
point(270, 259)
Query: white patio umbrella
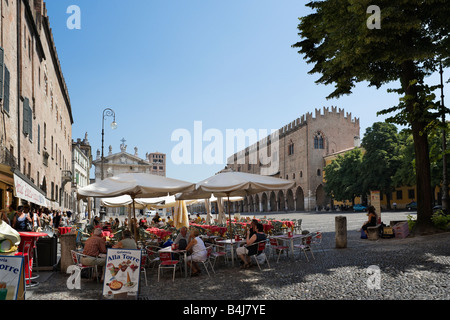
point(136, 185)
point(230, 184)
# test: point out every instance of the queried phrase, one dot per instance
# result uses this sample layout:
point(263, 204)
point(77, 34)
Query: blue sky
point(163, 64)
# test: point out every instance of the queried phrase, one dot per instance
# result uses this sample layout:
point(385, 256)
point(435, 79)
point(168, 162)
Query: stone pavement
point(415, 268)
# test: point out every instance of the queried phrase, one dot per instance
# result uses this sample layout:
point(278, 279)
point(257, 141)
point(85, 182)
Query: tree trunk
point(423, 179)
point(421, 149)
point(388, 200)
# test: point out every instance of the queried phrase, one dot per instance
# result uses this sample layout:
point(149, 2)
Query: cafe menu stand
point(27, 248)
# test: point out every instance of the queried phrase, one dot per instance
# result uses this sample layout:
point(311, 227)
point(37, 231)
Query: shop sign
point(25, 191)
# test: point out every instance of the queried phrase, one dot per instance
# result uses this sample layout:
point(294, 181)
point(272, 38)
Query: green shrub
point(440, 220)
point(411, 222)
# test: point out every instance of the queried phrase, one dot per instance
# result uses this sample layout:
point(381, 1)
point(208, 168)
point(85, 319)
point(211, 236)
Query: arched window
point(318, 141)
point(291, 148)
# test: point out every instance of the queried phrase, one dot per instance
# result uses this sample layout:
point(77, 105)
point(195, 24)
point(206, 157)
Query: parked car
point(439, 208)
point(359, 207)
point(411, 206)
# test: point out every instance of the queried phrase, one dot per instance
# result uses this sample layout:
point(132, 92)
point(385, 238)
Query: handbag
point(28, 225)
point(363, 234)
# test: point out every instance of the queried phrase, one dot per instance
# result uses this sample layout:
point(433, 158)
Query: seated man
point(251, 247)
point(182, 238)
point(95, 249)
point(127, 241)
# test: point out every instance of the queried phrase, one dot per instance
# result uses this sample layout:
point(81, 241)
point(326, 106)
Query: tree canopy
point(408, 47)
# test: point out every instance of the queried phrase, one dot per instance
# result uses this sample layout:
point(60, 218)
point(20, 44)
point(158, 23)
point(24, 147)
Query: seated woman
point(251, 247)
point(372, 219)
point(199, 254)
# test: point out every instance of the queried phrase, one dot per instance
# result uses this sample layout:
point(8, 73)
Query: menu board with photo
point(12, 284)
point(122, 273)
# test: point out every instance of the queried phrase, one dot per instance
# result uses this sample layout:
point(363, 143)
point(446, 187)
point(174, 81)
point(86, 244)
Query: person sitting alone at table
point(127, 241)
point(95, 250)
point(372, 219)
point(251, 229)
point(251, 247)
point(198, 249)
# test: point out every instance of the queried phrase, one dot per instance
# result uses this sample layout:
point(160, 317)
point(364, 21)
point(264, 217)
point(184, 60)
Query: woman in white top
point(198, 249)
point(36, 221)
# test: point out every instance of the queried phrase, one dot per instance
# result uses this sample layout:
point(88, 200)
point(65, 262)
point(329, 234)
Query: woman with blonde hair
point(198, 248)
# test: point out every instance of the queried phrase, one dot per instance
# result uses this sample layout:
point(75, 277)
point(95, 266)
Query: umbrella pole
point(229, 217)
point(134, 223)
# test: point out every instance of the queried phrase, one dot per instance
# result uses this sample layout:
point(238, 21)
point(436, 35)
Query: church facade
point(125, 162)
point(298, 150)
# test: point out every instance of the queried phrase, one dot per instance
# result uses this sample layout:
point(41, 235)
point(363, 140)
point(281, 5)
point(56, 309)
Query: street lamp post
point(445, 199)
point(106, 113)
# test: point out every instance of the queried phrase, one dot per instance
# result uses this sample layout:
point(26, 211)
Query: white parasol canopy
point(140, 203)
point(230, 184)
point(137, 185)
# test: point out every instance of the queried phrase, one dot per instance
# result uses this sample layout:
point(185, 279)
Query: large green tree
point(343, 176)
point(381, 158)
point(405, 174)
point(412, 40)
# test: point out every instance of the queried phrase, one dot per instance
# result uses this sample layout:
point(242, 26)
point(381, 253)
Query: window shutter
point(6, 91)
point(26, 116)
point(30, 123)
point(39, 139)
point(2, 62)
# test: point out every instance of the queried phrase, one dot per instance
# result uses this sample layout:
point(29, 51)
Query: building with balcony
point(36, 128)
point(81, 167)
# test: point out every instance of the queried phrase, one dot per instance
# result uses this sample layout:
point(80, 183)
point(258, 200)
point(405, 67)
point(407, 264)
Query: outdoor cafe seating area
point(223, 236)
point(285, 240)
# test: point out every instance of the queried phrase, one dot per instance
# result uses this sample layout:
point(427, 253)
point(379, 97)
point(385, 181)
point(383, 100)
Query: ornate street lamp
point(107, 113)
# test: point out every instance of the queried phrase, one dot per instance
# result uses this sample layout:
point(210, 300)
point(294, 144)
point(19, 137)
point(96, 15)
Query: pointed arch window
point(318, 141)
point(291, 148)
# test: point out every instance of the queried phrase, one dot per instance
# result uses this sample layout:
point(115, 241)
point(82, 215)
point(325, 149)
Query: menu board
point(122, 273)
point(12, 283)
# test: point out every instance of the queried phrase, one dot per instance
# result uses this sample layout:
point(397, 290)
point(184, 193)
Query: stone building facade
point(36, 128)
point(124, 162)
point(297, 150)
point(81, 167)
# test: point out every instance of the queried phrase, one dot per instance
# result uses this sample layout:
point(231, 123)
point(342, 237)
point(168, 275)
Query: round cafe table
point(27, 247)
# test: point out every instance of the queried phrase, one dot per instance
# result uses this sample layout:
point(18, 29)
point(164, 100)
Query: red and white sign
point(25, 191)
